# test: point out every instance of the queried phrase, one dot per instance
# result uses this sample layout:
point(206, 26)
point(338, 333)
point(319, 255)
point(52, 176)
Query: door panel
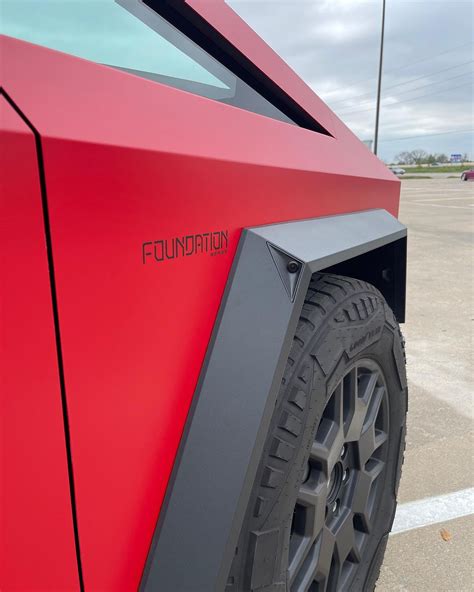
point(37, 551)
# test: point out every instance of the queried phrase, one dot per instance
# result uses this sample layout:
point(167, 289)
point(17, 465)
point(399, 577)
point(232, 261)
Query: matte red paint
point(36, 533)
point(128, 161)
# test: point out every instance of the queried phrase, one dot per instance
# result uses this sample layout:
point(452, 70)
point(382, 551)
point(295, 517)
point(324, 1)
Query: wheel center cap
point(335, 483)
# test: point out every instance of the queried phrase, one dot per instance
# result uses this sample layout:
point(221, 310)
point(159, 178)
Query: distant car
point(397, 170)
point(467, 175)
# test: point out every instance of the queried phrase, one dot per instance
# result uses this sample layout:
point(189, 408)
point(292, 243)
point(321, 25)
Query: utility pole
point(379, 84)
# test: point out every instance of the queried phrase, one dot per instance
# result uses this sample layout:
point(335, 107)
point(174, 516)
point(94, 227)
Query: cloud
point(340, 32)
point(427, 84)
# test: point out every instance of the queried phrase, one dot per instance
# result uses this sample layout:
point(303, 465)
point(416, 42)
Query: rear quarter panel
point(127, 162)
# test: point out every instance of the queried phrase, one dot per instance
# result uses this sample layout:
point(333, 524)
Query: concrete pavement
point(439, 214)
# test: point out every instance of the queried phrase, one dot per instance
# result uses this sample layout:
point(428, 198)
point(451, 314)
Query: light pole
point(379, 84)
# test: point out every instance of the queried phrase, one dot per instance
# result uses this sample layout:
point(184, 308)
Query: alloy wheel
point(337, 500)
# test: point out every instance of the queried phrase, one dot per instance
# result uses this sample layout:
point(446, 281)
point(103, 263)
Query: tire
point(333, 454)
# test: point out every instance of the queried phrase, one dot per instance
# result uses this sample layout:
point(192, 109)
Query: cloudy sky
point(428, 76)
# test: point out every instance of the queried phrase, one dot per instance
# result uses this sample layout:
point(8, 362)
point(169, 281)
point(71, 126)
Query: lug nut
point(334, 506)
point(345, 475)
point(343, 451)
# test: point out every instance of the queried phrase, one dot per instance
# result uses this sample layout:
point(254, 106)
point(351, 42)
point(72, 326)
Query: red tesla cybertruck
point(203, 382)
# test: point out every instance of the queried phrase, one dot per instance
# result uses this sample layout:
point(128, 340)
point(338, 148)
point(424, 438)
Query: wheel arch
point(199, 524)
point(383, 267)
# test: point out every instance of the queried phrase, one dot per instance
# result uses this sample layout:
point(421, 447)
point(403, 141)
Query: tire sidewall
point(336, 344)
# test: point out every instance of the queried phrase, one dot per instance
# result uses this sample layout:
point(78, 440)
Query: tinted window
point(128, 35)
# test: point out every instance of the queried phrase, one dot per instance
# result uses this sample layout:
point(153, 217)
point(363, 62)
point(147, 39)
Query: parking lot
point(433, 549)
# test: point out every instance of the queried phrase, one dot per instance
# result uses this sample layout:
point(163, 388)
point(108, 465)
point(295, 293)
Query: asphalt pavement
point(433, 548)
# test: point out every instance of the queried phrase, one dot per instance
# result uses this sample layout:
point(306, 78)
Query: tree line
point(420, 156)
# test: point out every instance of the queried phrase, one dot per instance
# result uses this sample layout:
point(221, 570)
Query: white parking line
point(442, 205)
point(442, 198)
point(433, 510)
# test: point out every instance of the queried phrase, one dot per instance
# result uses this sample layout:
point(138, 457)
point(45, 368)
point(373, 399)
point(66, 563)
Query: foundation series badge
point(213, 243)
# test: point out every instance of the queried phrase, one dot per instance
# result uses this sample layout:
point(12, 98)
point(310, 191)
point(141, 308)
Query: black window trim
point(192, 25)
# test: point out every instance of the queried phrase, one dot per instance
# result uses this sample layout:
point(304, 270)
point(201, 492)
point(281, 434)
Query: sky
point(428, 80)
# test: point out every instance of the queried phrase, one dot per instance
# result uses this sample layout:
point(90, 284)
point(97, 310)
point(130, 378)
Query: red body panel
point(129, 161)
point(36, 529)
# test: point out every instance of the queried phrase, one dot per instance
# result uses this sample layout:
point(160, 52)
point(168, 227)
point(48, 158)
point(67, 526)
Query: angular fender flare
point(200, 521)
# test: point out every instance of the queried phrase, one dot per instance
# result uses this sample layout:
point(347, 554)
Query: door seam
point(57, 333)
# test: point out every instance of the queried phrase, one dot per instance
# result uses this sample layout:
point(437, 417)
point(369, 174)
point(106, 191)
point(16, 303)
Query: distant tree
point(403, 158)
point(419, 156)
point(465, 157)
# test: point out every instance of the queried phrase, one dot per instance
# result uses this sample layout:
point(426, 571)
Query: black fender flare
point(200, 521)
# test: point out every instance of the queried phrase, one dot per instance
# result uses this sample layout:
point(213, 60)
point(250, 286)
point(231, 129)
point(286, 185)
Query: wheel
point(463, 177)
point(324, 497)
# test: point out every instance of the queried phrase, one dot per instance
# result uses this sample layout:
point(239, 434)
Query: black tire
point(347, 335)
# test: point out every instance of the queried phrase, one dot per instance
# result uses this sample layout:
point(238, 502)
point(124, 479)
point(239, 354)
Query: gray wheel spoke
point(327, 451)
point(313, 499)
point(367, 385)
point(366, 446)
point(354, 425)
point(361, 405)
point(360, 500)
point(320, 453)
point(361, 495)
point(325, 548)
point(380, 438)
point(307, 496)
point(370, 441)
point(302, 580)
point(304, 553)
point(350, 384)
point(374, 405)
point(326, 448)
point(374, 467)
point(345, 539)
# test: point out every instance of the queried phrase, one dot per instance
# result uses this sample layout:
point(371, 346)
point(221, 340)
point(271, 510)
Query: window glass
point(128, 35)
